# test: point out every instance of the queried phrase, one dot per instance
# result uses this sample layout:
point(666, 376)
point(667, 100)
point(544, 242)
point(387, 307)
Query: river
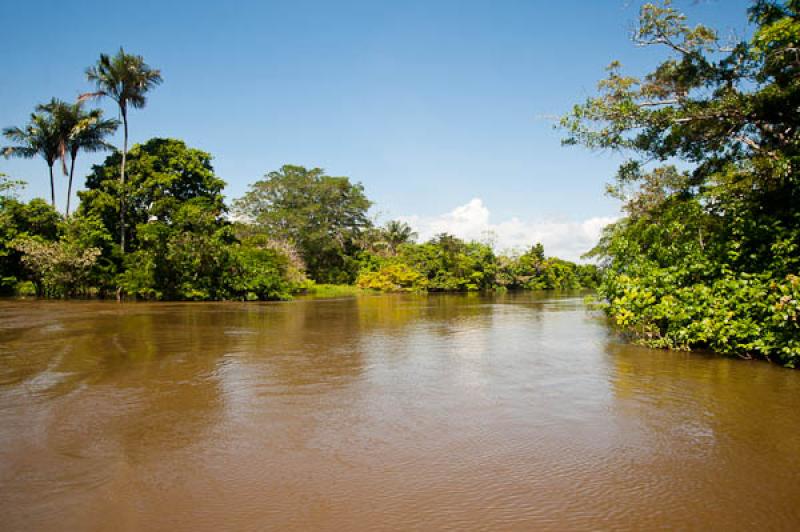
point(441, 412)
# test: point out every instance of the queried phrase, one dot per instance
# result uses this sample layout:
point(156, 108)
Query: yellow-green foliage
point(393, 278)
point(449, 264)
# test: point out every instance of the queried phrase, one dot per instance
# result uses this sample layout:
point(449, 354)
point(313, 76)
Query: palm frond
point(91, 95)
point(18, 151)
point(125, 78)
point(14, 133)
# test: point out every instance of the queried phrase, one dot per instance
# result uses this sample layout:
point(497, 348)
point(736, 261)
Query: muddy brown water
point(508, 412)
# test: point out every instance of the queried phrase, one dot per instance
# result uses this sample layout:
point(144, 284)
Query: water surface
point(509, 412)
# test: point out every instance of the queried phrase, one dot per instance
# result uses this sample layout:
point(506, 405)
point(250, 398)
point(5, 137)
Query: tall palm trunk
point(52, 187)
point(124, 114)
point(69, 186)
point(122, 182)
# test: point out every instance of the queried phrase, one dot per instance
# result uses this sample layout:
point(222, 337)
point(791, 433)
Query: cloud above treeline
point(561, 238)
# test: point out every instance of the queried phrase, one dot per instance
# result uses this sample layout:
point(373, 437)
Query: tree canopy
point(163, 174)
point(322, 216)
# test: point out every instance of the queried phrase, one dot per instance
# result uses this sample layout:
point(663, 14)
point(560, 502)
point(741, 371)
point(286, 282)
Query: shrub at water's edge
point(325, 291)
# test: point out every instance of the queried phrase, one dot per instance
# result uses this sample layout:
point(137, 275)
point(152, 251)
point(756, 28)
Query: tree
point(322, 216)
point(20, 220)
point(707, 255)
point(78, 129)
point(58, 268)
point(396, 233)
point(447, 263)
point(41, 136)
point(8, 187)
point(163, 174)
point(87, 132)
point(184, 256)
point(126, 79)
point(196, 256)
point(181, 245)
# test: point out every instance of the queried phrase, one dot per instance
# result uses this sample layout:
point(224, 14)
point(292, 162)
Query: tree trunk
point(52, 188)
point(124, 113)
point(122, 182)
point(69, 187)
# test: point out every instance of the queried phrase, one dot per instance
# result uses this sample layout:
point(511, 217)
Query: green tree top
point(123, 77)
point(163, 175)
point(710, 103)
point(320, 214)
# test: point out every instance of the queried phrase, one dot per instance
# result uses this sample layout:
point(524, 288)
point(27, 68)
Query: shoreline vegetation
point(706, 255)
point(188, 246)
point(153, 224)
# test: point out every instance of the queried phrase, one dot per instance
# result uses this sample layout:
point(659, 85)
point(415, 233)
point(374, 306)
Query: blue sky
point(432, 105)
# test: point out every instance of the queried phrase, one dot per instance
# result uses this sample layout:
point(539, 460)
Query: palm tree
point(125, 78)
point(77, 129)
point(88, 132)
point(397, 233)
point(41, 136)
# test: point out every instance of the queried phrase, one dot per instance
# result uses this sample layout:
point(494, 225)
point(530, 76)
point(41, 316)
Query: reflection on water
point(516, 411)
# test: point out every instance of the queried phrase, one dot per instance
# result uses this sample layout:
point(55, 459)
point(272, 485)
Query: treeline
point(292, 230)
point(183, 243)
point(708, 254)
point(153, 223)
point(447, 263)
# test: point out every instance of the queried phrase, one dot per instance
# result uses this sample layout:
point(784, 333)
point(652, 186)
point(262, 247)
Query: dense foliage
point(708, 253)
point(322, 216)
point(18, 221)
point(57, 268)
point(153, 224)
point(447, 263)
point(181, 243)
point(163, 174)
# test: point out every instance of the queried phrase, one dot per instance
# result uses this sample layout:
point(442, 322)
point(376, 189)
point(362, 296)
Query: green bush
point(393, 278)
point(742, 315)
point(448, 264)
point(19, 220)
point(259, 274)
point(57, 268)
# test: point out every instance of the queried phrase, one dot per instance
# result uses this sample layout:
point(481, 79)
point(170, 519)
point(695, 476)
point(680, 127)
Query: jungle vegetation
point(296, 231)
point(153, 223)
point(708, 252)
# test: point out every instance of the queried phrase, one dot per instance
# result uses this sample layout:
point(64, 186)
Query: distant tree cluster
point(447, 263)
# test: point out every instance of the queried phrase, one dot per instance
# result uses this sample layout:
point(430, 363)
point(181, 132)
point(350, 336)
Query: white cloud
point(561, 238)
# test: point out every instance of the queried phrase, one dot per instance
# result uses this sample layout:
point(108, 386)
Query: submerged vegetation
point(708, 254)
